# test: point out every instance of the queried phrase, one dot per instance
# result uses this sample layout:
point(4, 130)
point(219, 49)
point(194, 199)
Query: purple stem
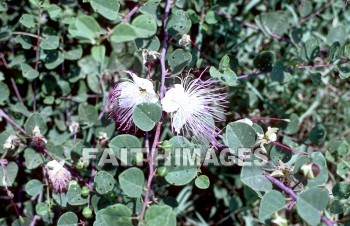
point(8, 119)
point(292, 195)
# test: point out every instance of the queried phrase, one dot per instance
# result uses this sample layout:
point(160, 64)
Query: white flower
point(268, 137)
point(185, 40)
point(11, 142)
point(73, 127)
point(194, 107)
point(59, 176)
point(149, 56)
point(246, 121)
point(37, 133)
point(127, 95)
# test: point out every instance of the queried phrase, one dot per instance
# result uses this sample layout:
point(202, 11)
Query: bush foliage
point(279, 69)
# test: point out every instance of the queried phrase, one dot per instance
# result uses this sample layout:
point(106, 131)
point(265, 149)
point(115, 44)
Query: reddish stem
point(271, 119)
point(289, 149)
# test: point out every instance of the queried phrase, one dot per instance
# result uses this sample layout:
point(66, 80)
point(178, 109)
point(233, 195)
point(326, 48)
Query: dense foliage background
point(61, 59)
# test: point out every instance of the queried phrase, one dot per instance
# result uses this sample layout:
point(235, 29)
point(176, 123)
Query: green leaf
point(274, 23)
point(320, 161)
point(144, 26)
point(118, 143)
point(42, 208)
point(74, 195)
point(310, 203)
point(252, 176)
point(98, 53)
point(104, 182)
point(146, 115)
point(318, 134)
point(180, 174)
point(68, 219)
point(264, 61)
point(336, 207)
point(74, 54)
point(337, 34)
point(108, 9)
point(28, 72)
point(33, 187)
point(178, 60)
point(296, 34)
point(347, 51)
point(151, 44)
point(131, 182)
point(34, 120)
point(240, 135)
point(277, 73)
point(27, 20)
point(8, 176)
point(32, 158)
point(87, 114)
point(25, 41)
point(53, 59)
point(316, 78)
point(123, 33)
point(50, 42)
point(227, 76)
point(179, 23)
point(157, 215)
point(272, 202)
point(117, 214)
point(211, 17)
point(310, 49)
point(293, 125)
point(54, 11)
point(4, 93)
point(341, 190)
point(85, 28)
point(202, 182)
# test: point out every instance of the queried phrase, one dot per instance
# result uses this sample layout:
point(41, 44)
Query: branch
point(131, 13)
point(151, 172)
point(9, 120)
point(292, 195)
point(164, 49)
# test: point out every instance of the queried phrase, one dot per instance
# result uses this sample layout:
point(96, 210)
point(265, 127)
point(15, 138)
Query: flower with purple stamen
point(59, 176)
point(194, 107)
point(127, 95)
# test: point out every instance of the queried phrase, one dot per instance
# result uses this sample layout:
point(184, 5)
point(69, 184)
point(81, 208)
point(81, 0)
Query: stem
point(131, 13)
point(151, 172)
point(289, 149)
point(37, 56)
point(164, 49)
point(27, 34)
point(204, 57)
point(270, 119)
point(9, 120)
point(292, 195)
point(16, 91)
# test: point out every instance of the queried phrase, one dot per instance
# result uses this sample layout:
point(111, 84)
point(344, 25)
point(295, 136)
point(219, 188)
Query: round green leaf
point(180, 174)
point(131, 182)
point(34, 120)
point(50, 42)
point(240, 135)
point(253, 177)
point(87, 114)
point(108, 9)
point(68, 219)
point(104, 182)
point(74, 195)
point(310, 203)
point(179, 23)
point(33, 187)
point(42, 208)
point(202, 182)
point(32, 158)
point(310, 49)
point(272, 202)
point(146, 115)
point(4, 93)
point(123, 33)
point(264, 61)
point(178, 60)
point(28, 71)
point(124, 141)
point(160, 216)
point(117, 214)
point(27, 20)
point(341, 190)
point(144, 26)
point(9, 177)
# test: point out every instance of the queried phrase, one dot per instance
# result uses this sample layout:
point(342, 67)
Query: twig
point(131, 13)
point(37, 58)
point(151, 172)
point(292, 195)
point(318, 12)
point(9, 120)
point(164, 49)
point(289, 149)
point(27, 34)
point(16, 91)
